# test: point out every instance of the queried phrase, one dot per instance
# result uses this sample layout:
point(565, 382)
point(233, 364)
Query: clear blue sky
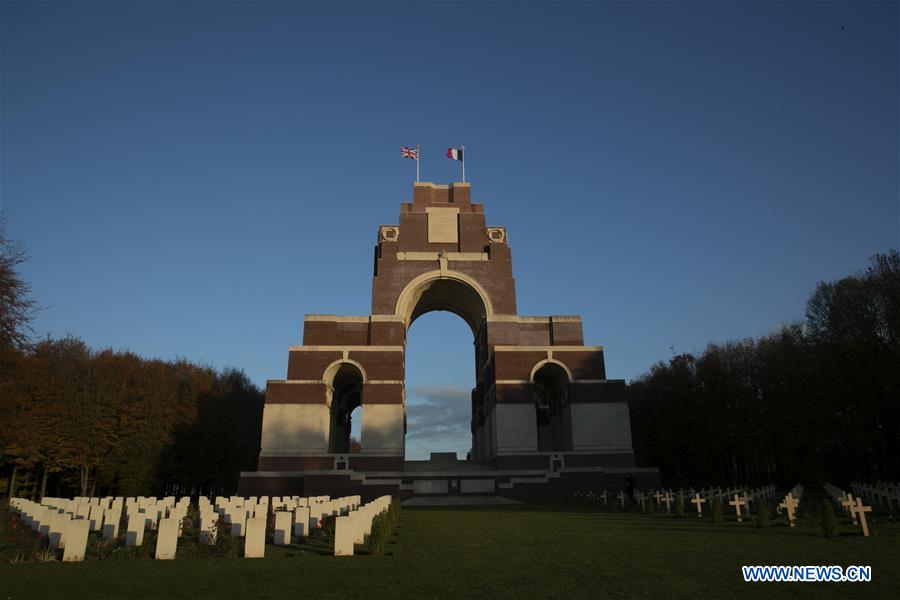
point(191, 178)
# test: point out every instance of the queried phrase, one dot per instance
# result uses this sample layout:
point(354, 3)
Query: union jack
point(412, 153)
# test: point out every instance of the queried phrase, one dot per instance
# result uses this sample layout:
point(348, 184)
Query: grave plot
point(765, 504)
point(158, 528)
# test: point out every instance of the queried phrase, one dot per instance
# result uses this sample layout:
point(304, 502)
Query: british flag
point(412, 153)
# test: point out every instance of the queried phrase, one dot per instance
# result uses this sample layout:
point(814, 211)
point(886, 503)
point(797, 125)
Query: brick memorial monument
point(546, 421)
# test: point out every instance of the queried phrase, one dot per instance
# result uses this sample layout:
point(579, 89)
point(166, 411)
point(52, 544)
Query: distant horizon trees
point(112, 423)
point(818, 400)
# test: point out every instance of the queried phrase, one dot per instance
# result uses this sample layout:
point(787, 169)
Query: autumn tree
point(17, 309)
point(815, 400)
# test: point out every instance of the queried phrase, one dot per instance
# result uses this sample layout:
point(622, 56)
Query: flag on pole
point(457, 154)
point(413, 153)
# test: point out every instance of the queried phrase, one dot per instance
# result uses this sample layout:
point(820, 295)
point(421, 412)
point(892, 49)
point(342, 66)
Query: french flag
point(455, 153)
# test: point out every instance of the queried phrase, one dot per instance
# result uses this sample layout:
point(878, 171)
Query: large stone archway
point(544, 415)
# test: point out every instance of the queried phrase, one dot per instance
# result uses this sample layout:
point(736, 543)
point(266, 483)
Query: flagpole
point(463, 148)
point(418, 156)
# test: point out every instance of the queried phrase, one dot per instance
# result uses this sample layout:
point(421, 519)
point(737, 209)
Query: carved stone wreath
point(389, 233)
point(496, 234)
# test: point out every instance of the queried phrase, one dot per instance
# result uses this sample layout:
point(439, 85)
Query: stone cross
point(658, 497)
point(698, 501)
point(737, 503)
point(622, 498)
point(668, 500)
point(861, 510)
point(848, 505)
point(789, 504)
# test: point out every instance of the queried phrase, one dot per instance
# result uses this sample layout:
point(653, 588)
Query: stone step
point(422, 466)
point(457, 501)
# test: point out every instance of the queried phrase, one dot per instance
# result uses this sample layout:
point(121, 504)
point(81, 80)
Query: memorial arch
point(544, 416)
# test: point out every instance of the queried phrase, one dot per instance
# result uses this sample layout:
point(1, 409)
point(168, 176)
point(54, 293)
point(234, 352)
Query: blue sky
point(191, 178)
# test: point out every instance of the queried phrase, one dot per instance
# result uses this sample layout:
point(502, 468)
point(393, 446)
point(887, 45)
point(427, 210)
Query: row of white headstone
point(67, 522)
point(883, 493)
point(352, 528)
point(742, 497)
point(851, 506)
point(236, 510)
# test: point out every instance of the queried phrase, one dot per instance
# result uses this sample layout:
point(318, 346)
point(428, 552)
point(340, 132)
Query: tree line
point(79, 421)
point(817, 400)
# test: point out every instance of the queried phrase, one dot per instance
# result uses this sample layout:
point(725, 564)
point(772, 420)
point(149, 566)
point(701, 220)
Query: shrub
point(394, 512)
point(717, 510)
point(18, 542)
point(227, 545)
point(147, 549)
point(829, 523)
point(762, 513)
point(678, 511)
point(125, 553)
point(326, 526)
point(378, 538)
point(46, 555)
point(102, 548)
point(382, 526)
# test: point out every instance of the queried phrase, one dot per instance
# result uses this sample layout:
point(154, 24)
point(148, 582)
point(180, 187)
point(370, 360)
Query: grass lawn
point(502, 552)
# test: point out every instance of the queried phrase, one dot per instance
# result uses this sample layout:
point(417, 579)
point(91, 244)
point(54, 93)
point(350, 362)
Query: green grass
point(519, 552)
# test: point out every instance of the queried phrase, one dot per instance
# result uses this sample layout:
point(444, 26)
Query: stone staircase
point(457, 501)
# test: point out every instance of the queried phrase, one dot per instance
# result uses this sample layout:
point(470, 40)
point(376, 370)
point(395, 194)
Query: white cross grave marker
point(737, 503)
point(861, 510)
point(848, 505)
point(698, 501)
point(789, 504)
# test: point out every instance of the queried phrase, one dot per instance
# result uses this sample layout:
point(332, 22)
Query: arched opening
point(551, 403)
point(440, 389)
point(450, 291)
point(345, 390)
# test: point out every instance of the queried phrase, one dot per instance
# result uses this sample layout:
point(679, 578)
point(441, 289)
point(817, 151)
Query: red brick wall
point(295, 393)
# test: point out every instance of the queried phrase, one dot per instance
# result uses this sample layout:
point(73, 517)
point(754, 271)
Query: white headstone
point(255, 538)
point(282, 535)
point(239, 523)
point(209, 527)
point(344, 536)
point(76, 541)
point(301, 521)
point(167, 539)
point(134, 530)
point(110, 523)
point(56, 523)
